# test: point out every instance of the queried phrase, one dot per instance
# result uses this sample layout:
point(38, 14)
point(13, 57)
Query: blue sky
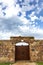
point(21, 18)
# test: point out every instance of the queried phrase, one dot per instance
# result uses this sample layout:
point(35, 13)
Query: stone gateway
point(11, 51)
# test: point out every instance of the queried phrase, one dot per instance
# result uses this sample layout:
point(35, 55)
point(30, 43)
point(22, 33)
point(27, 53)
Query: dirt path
point(24, 63)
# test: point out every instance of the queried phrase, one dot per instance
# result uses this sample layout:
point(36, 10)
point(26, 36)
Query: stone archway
point(22, 51)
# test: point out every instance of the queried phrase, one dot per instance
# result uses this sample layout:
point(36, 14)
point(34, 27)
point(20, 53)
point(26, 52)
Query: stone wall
point(7, 49)
point(37, 50)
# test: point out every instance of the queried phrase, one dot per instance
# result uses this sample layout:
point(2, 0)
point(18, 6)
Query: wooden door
point(22, 53)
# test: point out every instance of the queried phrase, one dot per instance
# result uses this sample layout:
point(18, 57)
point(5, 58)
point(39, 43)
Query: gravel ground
point(24, 63)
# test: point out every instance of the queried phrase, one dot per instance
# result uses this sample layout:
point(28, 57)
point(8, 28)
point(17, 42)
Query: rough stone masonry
point(7, 49)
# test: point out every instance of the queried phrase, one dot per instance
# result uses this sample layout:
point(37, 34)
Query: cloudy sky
point(21, 18)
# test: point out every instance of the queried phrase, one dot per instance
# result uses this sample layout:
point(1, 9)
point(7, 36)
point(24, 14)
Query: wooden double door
point(22, 53)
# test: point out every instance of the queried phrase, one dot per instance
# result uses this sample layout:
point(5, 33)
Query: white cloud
point(32, 31)
point(9, 3)
point(23, 13)
point(39, 34)
point(24, 20)
point(39, 7)
point(24, 29)
point(37, 1)
point(37, 30)
point(40, 31)
point(33, 16)
point(26, 2)
point(23, 26)
point(11, 9)
point(41, 18)
point(7, 35)
point(28, 7)
point(1, 14)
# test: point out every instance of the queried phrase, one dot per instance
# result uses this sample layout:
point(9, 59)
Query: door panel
point(22, 53)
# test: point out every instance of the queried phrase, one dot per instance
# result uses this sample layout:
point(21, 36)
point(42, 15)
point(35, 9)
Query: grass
point(7, 63)
point(39, 63)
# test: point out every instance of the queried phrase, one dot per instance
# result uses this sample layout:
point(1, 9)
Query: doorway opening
point(22, 51)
